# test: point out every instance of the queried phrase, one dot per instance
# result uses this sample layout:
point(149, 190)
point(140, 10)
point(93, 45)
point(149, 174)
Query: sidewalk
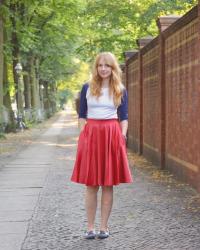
point(40, 209)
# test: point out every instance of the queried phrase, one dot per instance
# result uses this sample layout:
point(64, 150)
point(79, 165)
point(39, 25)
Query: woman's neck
point(105, 83)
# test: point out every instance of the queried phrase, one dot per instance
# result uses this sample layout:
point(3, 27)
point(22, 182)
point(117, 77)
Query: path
point(40, 209)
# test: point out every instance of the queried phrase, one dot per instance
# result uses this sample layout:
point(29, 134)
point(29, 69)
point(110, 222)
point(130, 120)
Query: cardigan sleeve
point(83, 102)
point(122, 110)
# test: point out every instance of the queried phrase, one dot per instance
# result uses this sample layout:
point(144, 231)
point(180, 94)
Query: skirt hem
point(114, 184)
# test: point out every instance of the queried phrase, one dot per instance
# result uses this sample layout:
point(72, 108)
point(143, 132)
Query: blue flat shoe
point(89, 235)
point(103, 234)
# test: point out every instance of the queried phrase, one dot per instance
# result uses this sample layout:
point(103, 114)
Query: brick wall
point(122, 66)
point(164, 98)
point(183, 102)
point(134, 105)
point(151, 104)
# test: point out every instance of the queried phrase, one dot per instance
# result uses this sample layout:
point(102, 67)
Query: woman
point(101, 158)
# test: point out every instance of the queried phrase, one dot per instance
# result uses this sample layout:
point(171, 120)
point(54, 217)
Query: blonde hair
point(115, 85)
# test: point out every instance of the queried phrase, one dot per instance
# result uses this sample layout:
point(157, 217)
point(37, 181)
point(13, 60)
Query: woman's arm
point(81, 123)
point(123, 113)
point(124, 127)
point(83, 108)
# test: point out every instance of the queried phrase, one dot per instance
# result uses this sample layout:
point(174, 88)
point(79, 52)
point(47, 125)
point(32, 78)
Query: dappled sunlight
point(49, 143)
point(64, 123)
point(66, 158)
point(62, 145)
point(74, 138)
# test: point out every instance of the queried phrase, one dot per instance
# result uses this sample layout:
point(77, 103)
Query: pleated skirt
point(101, 158)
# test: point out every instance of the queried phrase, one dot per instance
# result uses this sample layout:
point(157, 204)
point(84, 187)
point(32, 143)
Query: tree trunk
point(40, 112)
point(34, 88)
point(1, 69)
point(46, 99)
point(6, 90)
point(32, 81)
point(7, 99)
point(41, 90)
point(27, 87)
point(15, 57)
point(53, 97)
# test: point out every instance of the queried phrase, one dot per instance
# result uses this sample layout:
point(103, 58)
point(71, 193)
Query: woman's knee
point(92, 189)
point(108, 189)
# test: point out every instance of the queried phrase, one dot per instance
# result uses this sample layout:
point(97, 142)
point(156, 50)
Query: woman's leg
point(91, 205)
point(106, 206)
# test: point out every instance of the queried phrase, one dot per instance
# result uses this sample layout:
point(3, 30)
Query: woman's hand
point(81, 123)
point(124, 127)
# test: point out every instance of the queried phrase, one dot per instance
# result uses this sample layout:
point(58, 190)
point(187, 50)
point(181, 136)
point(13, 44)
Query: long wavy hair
point(115, 85)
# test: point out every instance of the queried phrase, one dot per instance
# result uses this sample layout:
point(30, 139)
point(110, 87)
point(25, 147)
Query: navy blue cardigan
point(122, 110)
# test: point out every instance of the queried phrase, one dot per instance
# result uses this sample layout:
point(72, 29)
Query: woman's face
point(104, 70)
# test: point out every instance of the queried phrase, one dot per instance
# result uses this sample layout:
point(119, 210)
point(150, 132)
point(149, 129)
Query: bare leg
point(106, 206)
point(91, 205)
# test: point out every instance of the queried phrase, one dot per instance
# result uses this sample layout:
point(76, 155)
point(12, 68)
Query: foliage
point(67, 89)
point(115, 25)
point(46, 30)
point(64, 36)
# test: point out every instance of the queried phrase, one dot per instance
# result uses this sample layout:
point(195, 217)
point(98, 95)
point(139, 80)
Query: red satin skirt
point(101, 158)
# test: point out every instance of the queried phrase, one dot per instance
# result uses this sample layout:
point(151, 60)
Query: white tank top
point(102, 107)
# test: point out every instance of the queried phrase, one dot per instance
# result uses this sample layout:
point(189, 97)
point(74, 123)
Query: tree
point(54, 39)
point(1, 67)
point(42, 36)
point(115, 25)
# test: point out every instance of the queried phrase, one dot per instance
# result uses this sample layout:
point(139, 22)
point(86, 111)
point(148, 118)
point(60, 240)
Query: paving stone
point(146, 215)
